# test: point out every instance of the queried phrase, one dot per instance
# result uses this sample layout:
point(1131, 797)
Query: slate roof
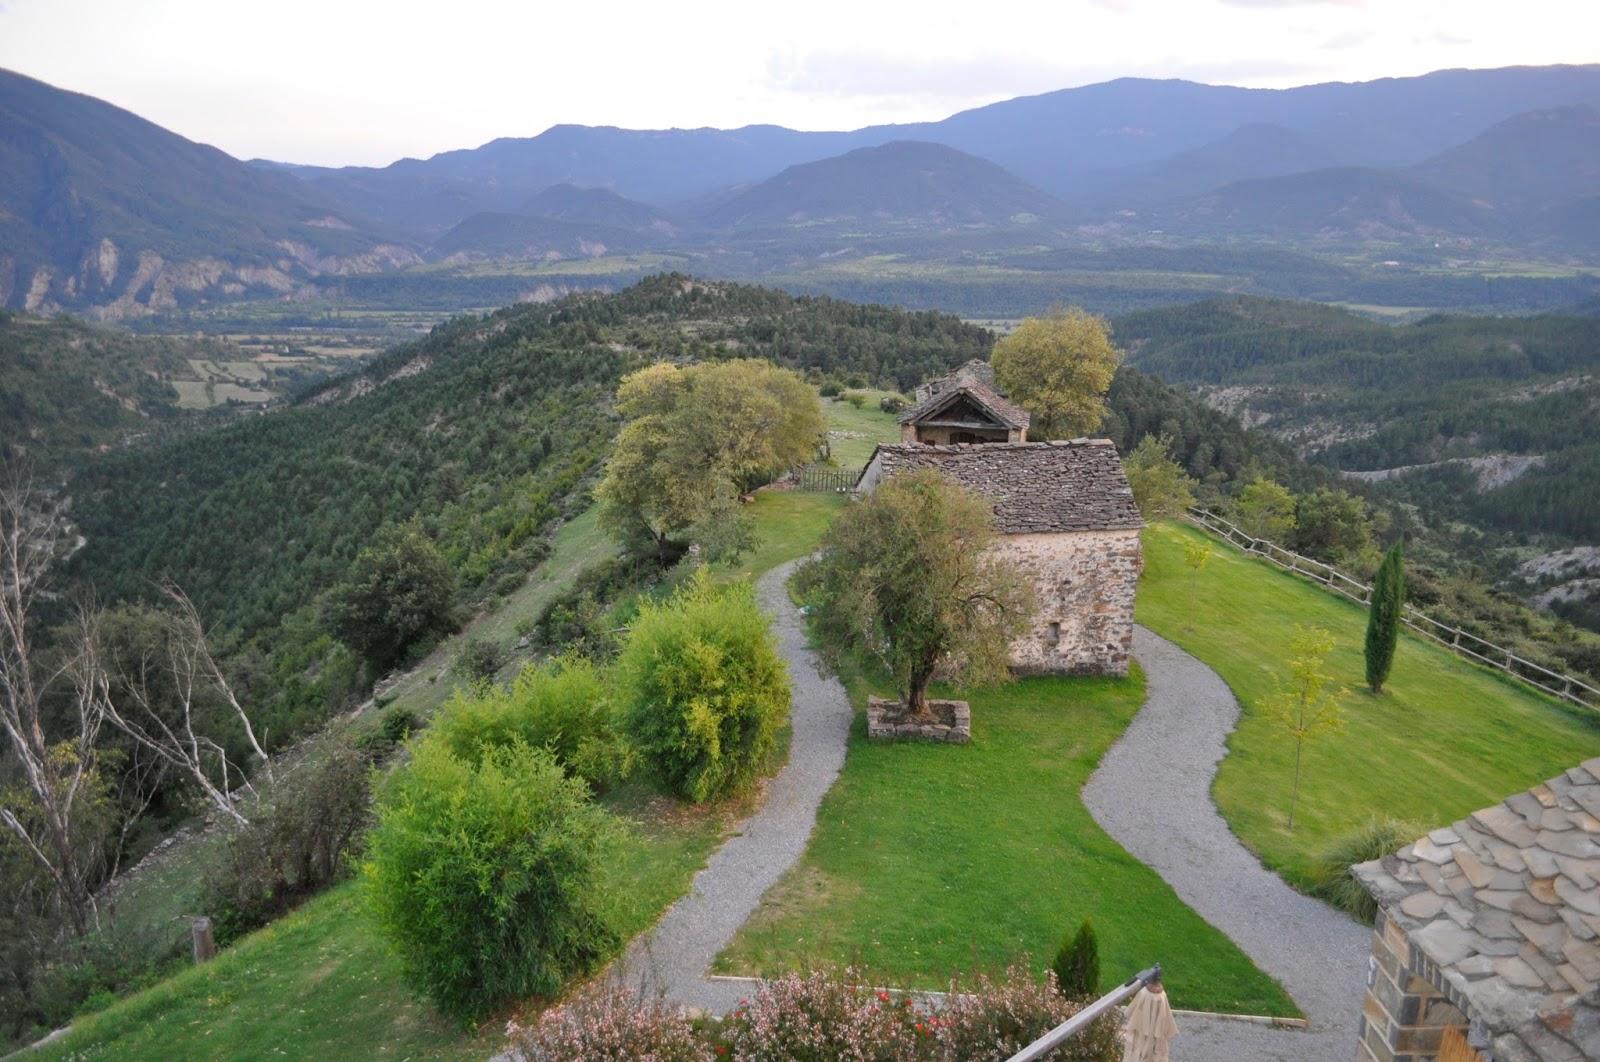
point(986, 397)
point(1037, 487)
point(1506, 904)
point(975, 369)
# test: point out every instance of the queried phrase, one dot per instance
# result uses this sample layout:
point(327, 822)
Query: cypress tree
point(1383, 617)
point(1077, 965)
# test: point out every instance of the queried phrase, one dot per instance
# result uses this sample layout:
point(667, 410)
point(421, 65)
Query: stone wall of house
point(1085, 582)
point(1404, 1015)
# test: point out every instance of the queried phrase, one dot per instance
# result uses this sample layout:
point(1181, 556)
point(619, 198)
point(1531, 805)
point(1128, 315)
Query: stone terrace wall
point(1085, 582)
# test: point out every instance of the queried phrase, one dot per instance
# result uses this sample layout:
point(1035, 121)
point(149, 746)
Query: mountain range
point(102, 209)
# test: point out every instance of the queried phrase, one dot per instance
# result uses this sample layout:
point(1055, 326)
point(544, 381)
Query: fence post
point(205, 943)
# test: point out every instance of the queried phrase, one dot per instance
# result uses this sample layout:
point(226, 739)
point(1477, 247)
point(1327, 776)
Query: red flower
point(884, 996)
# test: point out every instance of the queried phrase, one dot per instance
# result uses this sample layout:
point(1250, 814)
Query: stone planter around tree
point(951, 721)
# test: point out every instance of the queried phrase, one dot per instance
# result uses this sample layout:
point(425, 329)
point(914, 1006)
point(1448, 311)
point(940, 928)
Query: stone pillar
point(1403, 1017)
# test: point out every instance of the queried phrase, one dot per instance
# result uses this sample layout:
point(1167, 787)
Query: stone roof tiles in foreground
point(1505, 906)
point(1037, 487)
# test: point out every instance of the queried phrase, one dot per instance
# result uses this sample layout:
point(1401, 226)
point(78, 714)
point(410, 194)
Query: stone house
point(1488, 932)
point(963, 407)
point(1066, 516)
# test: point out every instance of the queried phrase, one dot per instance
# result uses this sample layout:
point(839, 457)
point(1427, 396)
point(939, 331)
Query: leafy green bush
point(892, 404)
point(399, 724)
point(477, 660)
point(1334, 882)
point(294, 846)
point(1077, 965)
point(563, 707)
point(702, 688)
point(856, 399)
point(485, 876)
point(398, 592)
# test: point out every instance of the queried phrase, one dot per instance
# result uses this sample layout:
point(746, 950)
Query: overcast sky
point(369, 81)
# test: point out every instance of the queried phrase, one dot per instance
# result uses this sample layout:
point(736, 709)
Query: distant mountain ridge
point(904, 182)
point(101, 206)
point(1526, 177)
point(104, 211)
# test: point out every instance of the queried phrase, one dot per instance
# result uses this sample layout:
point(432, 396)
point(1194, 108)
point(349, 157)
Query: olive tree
point(907, 576)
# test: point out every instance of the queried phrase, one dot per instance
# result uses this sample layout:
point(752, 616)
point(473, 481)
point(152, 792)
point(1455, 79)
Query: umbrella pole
point(1085, 1017)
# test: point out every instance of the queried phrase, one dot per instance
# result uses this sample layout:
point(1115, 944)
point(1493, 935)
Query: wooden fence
point(1463, 643)
point(821, 479)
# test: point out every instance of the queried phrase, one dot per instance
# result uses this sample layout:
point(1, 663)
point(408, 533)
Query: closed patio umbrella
point(1148, 1033)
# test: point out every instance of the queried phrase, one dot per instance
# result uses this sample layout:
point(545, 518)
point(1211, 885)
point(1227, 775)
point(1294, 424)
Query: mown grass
point(789, 524)
point(930, 861)
point(1445, 737)
point(854, 432)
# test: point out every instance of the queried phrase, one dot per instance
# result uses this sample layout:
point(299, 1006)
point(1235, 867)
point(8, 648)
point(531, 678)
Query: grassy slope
point(320, 978)
point(319, 983)
point(930, 861)
point(1444, 739)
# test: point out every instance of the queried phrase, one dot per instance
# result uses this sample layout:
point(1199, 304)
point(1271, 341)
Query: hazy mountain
point(1260, 149)
point(597, 206)
point(492, 235)
point(1534, 161)
point(1523, 180)
point(660, 166)
point(99, 206)
point(1340, 203)
point(895, 185)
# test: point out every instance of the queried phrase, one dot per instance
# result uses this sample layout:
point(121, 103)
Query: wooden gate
point(820, 479)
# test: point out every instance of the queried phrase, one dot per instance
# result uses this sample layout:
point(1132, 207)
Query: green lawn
point(319, 982)
point(932, 860)
point(789, 524)
point(1445, 738)
point(854, 432)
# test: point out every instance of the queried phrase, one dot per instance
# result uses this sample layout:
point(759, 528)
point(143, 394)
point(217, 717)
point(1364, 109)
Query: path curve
point(1152, 792)
point(671, 960)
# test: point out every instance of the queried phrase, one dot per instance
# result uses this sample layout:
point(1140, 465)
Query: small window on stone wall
point(1054, 636)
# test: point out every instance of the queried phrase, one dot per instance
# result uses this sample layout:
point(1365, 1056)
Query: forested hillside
point(66, 386)
point(481, 433)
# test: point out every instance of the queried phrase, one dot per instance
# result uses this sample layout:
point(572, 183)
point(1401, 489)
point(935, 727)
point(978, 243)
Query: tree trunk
point(917, 694)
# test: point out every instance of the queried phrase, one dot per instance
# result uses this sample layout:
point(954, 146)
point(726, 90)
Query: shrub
point(703, 689)
point(612, 1027)
point(989, 1022)
point(1077, 965)
point(485, 876)
point(856, 399)
point(1332, 880)
point(295, 845)
point(821, 1017)
point(829, 389)
point(399, 724)
point(397, 593)
point(892, 404)
point(563, 707)
point(477, 660)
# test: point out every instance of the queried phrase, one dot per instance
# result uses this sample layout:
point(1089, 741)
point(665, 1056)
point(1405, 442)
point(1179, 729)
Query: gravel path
point(671, 961)
point(1152, 792)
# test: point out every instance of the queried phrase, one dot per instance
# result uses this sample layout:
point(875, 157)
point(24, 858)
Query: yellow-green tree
point(1265, 509)
point(1059, 367)
point(1306, 703)
point(694, 439)
point(1196, 554)
point(1161, 488)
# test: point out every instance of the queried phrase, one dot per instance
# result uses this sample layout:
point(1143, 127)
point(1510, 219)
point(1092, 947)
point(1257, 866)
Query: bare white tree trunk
point(59, 772)
point(176, 733)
